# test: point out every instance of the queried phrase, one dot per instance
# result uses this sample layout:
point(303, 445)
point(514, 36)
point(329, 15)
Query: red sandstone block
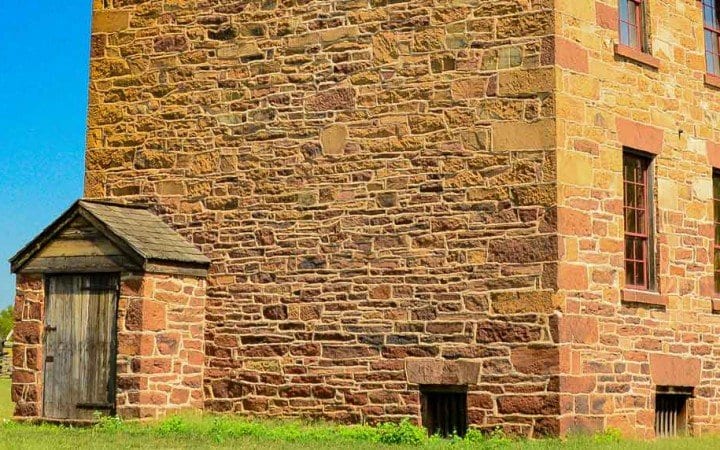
point(34, 358)
point(578, 329)
point(607, 16)
point(18, 357)
point(133, 344)
point(168, 343)
point(482, 401)
point(573, 222)
point(639, 136)
point(580, 425)
point(255, 404)
point(151, 365)
point(713, 154)
point(23, 376)
point(529, 404)
point(536, 360)
point(23, 409)
point(26, 332)
point(670, 370)
point(152, 398)
point(131, 286)
point(571, 55)
point(578, 384)
point(356, 398)
point(572, 276)
point(145, 315)
point(179, 396)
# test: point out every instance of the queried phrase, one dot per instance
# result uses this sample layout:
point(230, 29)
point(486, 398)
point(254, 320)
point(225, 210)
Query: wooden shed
point(110, 302)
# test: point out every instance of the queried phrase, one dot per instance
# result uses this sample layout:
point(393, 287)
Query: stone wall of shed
point(27, 375)
point(373, 180)
point(617, 352)
point(161, 353)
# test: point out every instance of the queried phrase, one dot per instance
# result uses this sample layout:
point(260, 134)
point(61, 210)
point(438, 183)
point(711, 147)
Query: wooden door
point(80, 346)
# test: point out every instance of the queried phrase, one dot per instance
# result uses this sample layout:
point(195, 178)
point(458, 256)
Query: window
point(716, 245)
point(632, 24)
point(444, 410)
point(671, 411)
point(638, 221)
point(712, 35)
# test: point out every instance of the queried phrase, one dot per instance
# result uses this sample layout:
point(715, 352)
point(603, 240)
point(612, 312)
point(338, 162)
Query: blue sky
point(44, 53)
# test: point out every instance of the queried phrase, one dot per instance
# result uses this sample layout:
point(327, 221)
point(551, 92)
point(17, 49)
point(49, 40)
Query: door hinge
point(50, 328)
point(49, 359)
point(95, 406)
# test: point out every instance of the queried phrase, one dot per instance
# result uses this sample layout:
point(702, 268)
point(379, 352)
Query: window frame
point(640, 25)
point(716, 231)
point(673, 411)
point(648, 211)
point(435, 422)
point(715, 6)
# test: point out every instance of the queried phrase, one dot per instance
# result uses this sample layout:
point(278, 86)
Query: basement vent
point(671, 411)
point(444, 410)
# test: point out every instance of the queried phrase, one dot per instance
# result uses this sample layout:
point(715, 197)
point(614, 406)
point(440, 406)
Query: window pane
point(636, 215)
point(633, 20)
point(629, 273)
point(624, 10)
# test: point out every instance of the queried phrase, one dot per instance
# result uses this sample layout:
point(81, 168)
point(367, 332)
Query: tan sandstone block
point(110, 21)
point(333, 139)
point(524, 136)
point(526, 82)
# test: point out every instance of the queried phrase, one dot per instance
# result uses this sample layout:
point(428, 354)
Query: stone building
point(502, 208)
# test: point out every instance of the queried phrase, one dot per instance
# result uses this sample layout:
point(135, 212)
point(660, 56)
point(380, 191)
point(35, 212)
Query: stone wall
point(373, 180)
point(160, 355)
point(630, 345)
point(27, 379)
point(160, 345)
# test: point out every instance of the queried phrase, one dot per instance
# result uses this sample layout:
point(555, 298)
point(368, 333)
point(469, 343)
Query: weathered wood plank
point(82, 309)
point(80, 264)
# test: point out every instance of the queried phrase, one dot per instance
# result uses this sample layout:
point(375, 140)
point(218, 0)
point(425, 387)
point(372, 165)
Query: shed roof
point(135, 229)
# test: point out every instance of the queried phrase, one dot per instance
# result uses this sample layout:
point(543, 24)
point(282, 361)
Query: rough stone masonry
point(397, 193)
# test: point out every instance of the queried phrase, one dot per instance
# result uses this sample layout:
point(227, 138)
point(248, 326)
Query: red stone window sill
point(637, 55)
point(646, 297)
point(712, 80)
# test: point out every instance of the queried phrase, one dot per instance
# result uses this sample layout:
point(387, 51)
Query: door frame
point(112, 373)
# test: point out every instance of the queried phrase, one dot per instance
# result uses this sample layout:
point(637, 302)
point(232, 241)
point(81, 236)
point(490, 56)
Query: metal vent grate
point(444, 411)
point(671, 412)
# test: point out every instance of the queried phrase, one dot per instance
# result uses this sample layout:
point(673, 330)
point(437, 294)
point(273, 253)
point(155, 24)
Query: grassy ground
point(214, 432)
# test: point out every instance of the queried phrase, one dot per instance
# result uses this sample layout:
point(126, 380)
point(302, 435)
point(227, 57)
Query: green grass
point(211, 432)
point(6, 406)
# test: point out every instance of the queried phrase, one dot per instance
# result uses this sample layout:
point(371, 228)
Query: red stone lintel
point(637, 55)
point(672, 370)
point(713, 154)
point(646, 297)
point(712, 80)
point(639, 136)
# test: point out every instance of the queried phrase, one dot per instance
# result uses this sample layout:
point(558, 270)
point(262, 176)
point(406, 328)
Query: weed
point(609, 436)
point(172, 426)
point(403, 433)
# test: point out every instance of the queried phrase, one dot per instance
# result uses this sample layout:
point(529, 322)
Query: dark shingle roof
point(136, 229)
point(145, 233)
